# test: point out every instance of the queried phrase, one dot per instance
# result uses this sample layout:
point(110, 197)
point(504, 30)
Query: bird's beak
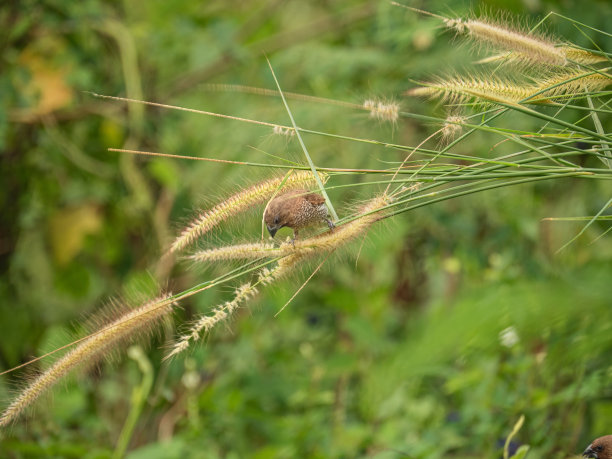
point(589, 453)
point(272, 230)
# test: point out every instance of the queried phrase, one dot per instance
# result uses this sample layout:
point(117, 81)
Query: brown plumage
point(601, 448)
point(296, 209)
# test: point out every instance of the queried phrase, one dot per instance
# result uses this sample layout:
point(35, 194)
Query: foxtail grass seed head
point(570, 84)
point(129, 326)
point(582, 56)
point(206, 322)
point(537, 49)
point(223, 312)
point(461, 89)
point(381, 110)
point(235, 252)
point(248, 252)
point(464, 89)
point(453, 125)
point(572, 55)
point(279, 130)
point(240, 202)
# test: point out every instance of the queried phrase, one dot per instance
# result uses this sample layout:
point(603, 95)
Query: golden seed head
point(279, 130)
point(452, 126)
point(129, 325)
point(382, 110)
point(527, 46)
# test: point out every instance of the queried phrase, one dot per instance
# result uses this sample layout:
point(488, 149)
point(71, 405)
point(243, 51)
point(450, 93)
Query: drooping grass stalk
point(221, 313)
point(473, 190)
point(128, 326)
point(206, 322)
point(383, 110)
point(275, 93)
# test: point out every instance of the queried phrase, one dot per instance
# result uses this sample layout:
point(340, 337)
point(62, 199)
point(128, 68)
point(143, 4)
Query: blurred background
point(455, 320)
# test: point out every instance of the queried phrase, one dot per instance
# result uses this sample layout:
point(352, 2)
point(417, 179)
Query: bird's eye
point(276, 220)
point(599, 448)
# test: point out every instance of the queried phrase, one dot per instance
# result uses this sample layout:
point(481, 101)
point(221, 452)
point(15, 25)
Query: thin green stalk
point(298, 129)
point(595, 217)
point(582, 24)
point(475, 190)
point(599, 128)
point(139, 397)
point(330, 206)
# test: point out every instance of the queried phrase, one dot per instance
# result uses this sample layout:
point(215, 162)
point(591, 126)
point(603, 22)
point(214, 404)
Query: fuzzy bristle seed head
point(581, 56)
point(452, 126)
point(382, 110)
point(279, 130)
point(127, 327)
point(568, 84)
point(464, 89)
point(534, 48)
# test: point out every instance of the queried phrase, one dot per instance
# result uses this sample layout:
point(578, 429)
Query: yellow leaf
point(47, 87)
point(68, 228)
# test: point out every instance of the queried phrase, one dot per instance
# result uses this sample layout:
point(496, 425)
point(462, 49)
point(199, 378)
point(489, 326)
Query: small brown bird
point(600, 448)
point(296, 209)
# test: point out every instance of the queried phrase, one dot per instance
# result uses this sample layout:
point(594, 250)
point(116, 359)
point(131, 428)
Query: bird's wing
point(314, 199)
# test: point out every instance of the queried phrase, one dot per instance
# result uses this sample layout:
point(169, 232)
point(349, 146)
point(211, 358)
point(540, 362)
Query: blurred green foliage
point(456, 319)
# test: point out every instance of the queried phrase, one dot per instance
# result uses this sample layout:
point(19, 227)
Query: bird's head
point(274, 218)
point(284, 210)
point(273, 226)
point(601, 448)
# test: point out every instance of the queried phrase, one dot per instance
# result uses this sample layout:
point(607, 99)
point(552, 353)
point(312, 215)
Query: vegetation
point(460, 308)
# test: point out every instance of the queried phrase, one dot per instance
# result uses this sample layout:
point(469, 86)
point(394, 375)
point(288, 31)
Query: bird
point(296, 209)
point(600, 448)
